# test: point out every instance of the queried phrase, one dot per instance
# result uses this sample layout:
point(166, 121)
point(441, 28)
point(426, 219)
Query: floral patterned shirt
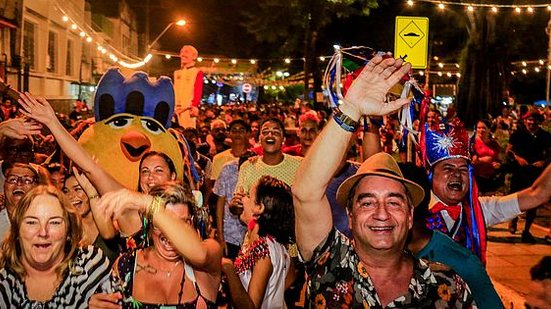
point(338, 279)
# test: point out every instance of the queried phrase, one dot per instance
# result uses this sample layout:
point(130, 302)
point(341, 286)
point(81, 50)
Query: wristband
point(348, 124)
point(155, 206)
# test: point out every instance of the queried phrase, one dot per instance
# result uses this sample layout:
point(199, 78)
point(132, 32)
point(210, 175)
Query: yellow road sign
point(411, 40)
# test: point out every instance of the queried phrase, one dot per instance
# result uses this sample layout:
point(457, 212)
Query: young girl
point(257, 278)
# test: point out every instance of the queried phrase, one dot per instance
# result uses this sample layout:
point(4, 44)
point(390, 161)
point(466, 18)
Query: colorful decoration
point(447, 141)
point(132, 117)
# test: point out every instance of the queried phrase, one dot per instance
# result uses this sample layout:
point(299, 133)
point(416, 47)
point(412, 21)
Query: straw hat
point(380, 164)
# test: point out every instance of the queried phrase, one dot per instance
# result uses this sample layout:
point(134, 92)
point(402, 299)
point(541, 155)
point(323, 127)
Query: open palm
point(368, 92)
point(37, 108)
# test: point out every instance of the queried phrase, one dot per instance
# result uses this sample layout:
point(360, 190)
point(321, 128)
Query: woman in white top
point(258, 276)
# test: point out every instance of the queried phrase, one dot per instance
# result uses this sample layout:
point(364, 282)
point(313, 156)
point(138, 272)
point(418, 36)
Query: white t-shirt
point(275, 290)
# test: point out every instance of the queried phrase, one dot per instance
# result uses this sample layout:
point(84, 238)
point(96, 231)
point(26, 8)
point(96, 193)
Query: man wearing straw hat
point(371, 270)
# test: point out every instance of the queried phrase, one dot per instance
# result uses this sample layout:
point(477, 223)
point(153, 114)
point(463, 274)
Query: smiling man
point(273, 161)
point(371, 270)
point(455, 207)
point(20, 178)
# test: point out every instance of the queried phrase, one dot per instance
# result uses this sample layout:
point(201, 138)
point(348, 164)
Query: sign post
point(411, 40)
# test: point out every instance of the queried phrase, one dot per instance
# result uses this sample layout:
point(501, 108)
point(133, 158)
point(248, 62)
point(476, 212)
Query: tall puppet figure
point(188, 87)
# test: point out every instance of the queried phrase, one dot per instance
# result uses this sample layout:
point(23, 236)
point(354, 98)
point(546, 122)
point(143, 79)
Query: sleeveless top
point(123, 282)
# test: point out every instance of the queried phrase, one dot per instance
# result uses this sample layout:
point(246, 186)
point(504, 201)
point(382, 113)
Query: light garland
point(494, 7)
point(90, 35)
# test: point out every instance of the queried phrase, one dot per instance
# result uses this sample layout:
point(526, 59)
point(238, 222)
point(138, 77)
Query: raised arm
point(366, 96)
point(538, 194)
point(40, 110)
point(203, 255)
point(19, 128)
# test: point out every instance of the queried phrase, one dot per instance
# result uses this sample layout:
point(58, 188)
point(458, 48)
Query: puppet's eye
point(119, 122)
point(152, 126)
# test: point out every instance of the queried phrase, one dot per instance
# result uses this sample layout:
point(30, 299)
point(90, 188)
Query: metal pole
point(159, 36)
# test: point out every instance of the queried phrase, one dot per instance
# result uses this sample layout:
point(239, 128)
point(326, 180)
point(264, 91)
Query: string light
point(287, 60)
point(199, 59)
point(410, 2)
point(216, 60)
point(470, 8)
point(530, 9)
point(494, 9)
point(234, 61)
point(65, 18)
point(441, 6)
point(253, 61)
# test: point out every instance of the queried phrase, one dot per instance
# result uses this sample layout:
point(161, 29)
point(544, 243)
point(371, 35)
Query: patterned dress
point(338, 279)
point(89, 270)
point(122, 281)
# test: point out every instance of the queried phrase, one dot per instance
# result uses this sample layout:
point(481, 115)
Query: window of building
point(69, 59)
point(51, 58)
point(29, 43)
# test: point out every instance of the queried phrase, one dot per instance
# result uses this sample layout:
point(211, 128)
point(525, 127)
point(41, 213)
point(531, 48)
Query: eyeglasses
point(25, 180)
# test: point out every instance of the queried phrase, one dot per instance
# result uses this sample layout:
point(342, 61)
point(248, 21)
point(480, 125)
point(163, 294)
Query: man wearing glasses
point(20, 178)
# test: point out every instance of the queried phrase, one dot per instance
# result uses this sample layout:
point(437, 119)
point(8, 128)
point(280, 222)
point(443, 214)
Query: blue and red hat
point(449, 140)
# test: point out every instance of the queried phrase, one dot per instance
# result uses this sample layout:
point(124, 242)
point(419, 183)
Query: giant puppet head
point(132, 117)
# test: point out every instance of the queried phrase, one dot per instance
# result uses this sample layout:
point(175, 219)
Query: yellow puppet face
point(119, 142)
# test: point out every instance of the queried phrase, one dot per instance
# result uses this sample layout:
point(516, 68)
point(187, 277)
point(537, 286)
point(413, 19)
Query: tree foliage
point(294, 25)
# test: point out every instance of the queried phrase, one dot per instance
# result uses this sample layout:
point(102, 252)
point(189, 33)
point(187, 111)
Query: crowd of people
point(299, 207)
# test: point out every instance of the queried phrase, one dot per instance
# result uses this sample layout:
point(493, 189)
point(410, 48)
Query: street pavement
point(510, 260)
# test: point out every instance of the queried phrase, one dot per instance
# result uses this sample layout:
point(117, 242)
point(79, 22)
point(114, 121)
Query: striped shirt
point(89, 270)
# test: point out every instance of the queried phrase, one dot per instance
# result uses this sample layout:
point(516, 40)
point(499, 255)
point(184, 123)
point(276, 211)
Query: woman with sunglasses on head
point(178, 269)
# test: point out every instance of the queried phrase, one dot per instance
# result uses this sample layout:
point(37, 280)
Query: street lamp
point(180, 23)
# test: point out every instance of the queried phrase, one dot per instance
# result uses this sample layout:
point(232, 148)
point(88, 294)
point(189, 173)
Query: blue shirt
point(444, 250)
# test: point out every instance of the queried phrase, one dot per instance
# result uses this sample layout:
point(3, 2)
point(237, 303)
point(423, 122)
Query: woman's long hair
point(11, 248)
point(278, 218)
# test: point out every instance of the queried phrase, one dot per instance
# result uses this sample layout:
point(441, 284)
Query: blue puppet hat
point(135, 95)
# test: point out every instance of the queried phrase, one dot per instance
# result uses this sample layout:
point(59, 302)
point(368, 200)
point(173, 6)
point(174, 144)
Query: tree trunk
point(483, 65)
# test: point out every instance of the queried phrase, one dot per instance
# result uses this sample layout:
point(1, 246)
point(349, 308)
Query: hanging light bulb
point(410, 2)
point(65, 18)
point(287, 60)
point(441, 6)
point(494, 9)
point(530, 10)
point(216, 60)
point(470, 8)
point(199, 59)
point(89, 39)
point(517, 10)
point(234, 61)
point(74, 26)
point(524, 63)
point(253, 61)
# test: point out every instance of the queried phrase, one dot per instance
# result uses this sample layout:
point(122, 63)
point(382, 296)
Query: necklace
point(152, 270)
